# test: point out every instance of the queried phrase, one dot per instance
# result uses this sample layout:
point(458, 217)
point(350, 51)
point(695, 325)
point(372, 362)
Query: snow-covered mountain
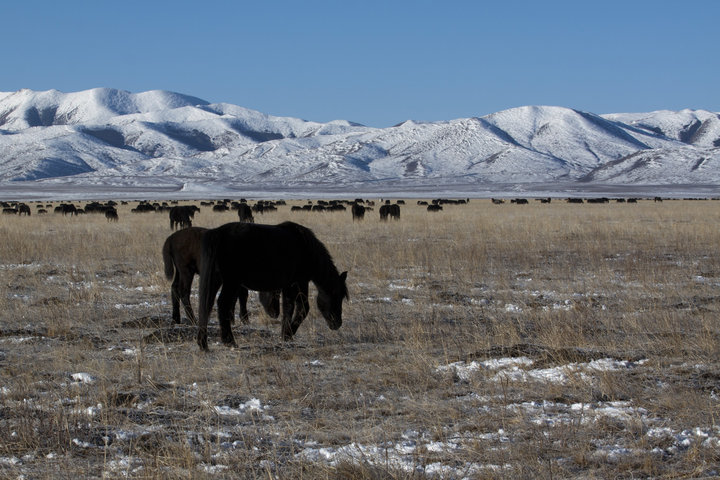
point(112, 137)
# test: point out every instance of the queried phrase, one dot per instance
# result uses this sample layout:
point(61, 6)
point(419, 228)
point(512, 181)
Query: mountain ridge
point(101, 135)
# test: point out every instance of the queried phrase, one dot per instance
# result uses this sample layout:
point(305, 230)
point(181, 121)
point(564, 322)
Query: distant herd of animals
point(181, 217)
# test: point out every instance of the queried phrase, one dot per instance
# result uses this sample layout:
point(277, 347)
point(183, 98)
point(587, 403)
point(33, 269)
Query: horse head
point(329, 301)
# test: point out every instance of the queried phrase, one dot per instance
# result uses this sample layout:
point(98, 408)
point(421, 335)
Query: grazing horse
point(181, 257)
point(393, 211)
point(358, 211)
point(111, 214)
point(23, 209)
point(283, 257)
point(66, 208)
point(245, 213)
point(180, 216)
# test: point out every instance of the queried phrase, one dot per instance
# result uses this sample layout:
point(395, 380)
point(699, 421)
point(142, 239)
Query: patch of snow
point(83, 378)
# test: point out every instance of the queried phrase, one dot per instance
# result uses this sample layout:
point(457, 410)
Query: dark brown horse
point(283, 257)
point(392, 211)
point(358, 211)
point(111, 214)
point(181, 216)
point(181, 256)
point(245, 213)
point(23, 209)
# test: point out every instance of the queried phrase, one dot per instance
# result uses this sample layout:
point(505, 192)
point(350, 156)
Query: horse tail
point(168, 260)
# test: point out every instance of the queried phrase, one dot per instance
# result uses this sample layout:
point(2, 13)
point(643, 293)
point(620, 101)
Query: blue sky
point(375, 62)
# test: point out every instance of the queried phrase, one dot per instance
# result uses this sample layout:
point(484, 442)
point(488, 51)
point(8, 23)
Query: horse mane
point(320, 259)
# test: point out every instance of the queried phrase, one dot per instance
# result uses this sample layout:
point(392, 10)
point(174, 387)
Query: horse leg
point(226, 306)
point(242, 300)
point(205, 310)
point(270, 302)
point(288, 306)
point(175, 298)
point(302, 307)
point(185, 286)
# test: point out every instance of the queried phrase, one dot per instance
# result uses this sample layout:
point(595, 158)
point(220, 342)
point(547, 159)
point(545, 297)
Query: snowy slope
point(695, 127)
point(683, 165)
point(102, 136)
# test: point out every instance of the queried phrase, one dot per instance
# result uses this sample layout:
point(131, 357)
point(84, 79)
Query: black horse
point(66, 208)
point(23, 209)
point(181, 256)
point(393, 211)
point(245, 213)
point(111, 214)
point(181, 216)
point(358, 211)
point(283, 257)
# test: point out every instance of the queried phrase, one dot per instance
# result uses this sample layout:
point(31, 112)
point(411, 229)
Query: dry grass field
point(483, 341)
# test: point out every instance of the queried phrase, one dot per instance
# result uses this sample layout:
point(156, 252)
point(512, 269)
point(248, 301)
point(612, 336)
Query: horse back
point(259, 257)
point(183, 249)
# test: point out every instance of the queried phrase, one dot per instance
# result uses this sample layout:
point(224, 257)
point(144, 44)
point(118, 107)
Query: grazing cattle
point(10, 211)
point(358, 211)
point(434, 208)
point(245, 213)
point(111, 214)
point(180, 216)
point(181, 254)
point(283, 257)
point(497, 201)
point(520, 201)
point(392, 211)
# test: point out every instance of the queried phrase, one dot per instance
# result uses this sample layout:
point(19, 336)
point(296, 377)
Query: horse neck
point(323, 272)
